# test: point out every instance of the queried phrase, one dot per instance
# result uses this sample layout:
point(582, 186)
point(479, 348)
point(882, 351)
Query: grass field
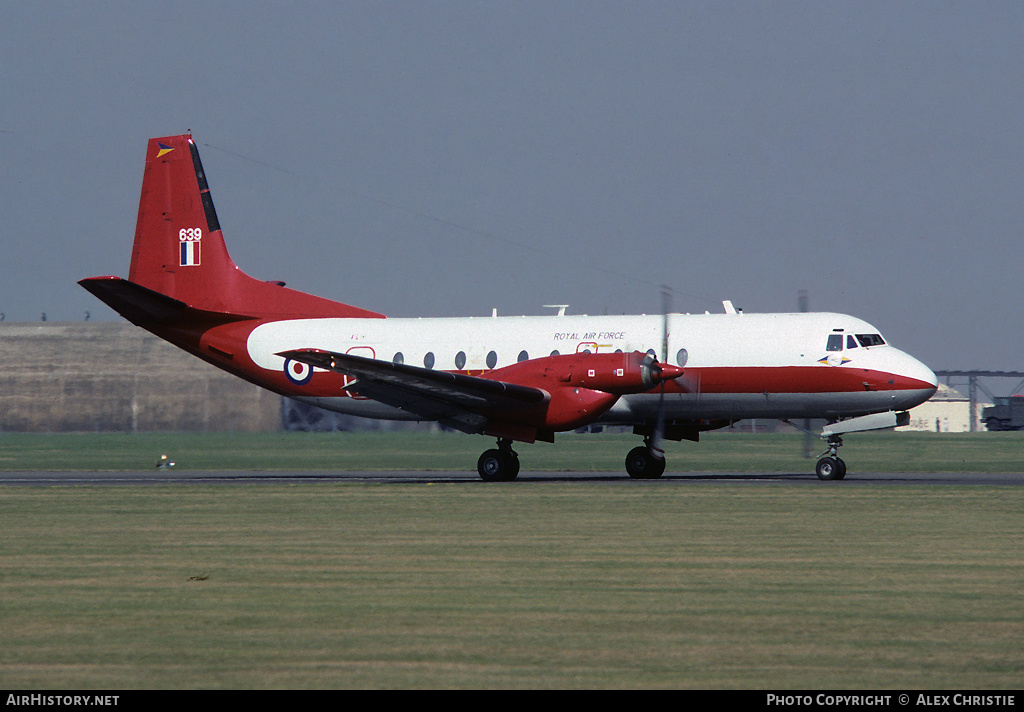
point(533, 584)
point(540, 586)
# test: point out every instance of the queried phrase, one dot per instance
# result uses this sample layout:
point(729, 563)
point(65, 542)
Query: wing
point(454, 399)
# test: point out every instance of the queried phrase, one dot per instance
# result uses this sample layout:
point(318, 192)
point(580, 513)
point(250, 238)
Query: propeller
point(654, 443)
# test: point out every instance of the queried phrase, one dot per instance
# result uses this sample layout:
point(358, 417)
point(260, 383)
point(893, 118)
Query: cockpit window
point(851, 343)
point(835, 342)
point(870, 340)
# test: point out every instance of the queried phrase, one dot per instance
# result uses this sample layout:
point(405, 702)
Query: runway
point(244, 477)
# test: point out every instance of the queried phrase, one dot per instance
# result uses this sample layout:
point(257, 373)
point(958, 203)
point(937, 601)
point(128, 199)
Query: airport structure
point(948, 411)
point(975, 382)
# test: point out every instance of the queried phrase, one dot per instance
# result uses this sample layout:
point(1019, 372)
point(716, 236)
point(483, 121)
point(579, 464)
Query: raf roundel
point(298, 373)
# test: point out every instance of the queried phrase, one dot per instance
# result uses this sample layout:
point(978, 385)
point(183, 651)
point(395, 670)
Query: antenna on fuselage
point(560, 307)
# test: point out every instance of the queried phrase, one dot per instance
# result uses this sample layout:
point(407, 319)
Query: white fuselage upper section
point(701, 343)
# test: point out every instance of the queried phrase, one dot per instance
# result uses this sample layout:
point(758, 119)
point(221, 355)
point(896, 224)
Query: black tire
point(641, 465)
point(497, 466)
point(842, 468)
point(512, 462)
point(830, 468)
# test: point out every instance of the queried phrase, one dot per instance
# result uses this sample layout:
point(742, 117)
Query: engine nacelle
point(616, 373)
point(580, 387)
point(620, 373)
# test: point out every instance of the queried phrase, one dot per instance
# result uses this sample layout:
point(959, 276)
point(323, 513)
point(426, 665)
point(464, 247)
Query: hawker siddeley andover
point(512, 378)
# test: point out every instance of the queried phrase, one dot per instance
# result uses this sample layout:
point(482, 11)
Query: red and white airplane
point(513, 378)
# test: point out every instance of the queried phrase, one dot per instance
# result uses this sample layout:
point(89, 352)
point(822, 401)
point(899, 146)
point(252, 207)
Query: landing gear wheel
point(498, 466)
point(830, 468)
point(641, 465)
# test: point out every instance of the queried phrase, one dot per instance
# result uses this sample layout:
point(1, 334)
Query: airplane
point(517, 379)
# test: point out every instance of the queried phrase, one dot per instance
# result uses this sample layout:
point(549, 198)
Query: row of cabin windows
point(835, 341)
point(460, 359)
point(492, 357)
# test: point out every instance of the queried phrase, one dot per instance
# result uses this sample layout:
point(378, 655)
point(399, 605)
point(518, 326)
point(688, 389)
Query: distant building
point(948, 411)
point(115, 377)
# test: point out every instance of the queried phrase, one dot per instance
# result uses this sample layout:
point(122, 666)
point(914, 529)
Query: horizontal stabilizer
point(145, 307)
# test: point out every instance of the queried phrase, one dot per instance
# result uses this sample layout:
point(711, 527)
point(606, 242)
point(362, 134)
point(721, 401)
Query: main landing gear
point(830, 466)
point(499, 465)
point(643, 464)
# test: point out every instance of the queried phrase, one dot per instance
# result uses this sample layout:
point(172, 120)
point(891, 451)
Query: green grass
point(362, 451)
point(538, 585)
point(532, 584)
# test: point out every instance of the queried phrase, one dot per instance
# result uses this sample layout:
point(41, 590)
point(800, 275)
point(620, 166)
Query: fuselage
point(801, 365)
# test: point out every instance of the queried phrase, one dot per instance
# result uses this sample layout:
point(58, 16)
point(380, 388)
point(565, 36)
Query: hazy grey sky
point(446, 158)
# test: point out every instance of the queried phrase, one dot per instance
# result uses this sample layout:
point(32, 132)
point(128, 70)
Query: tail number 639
point(190, 234)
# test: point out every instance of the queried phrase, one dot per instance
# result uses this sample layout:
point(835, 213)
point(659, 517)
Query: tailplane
point(179, 249)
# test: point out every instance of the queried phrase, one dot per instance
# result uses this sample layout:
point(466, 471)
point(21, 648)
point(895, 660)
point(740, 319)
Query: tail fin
point(179, 248)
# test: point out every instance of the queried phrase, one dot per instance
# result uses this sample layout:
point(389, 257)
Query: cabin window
point(870, 340)
point(460, 360)
point(681, 357)
point(851, 343)
point(554, 353)
point(835, 342)
point(492, 359)
point(398, 358)
point(523, 356)
point(428, 360)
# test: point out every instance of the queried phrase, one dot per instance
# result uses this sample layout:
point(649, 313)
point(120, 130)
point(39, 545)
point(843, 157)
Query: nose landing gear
point(830, 466)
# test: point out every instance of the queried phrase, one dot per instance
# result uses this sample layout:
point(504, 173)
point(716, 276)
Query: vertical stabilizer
point(179, 248)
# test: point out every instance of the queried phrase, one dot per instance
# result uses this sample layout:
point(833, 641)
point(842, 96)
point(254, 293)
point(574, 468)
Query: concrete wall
point(101, 377)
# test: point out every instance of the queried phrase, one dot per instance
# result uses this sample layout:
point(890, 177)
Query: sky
point(449, 158)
